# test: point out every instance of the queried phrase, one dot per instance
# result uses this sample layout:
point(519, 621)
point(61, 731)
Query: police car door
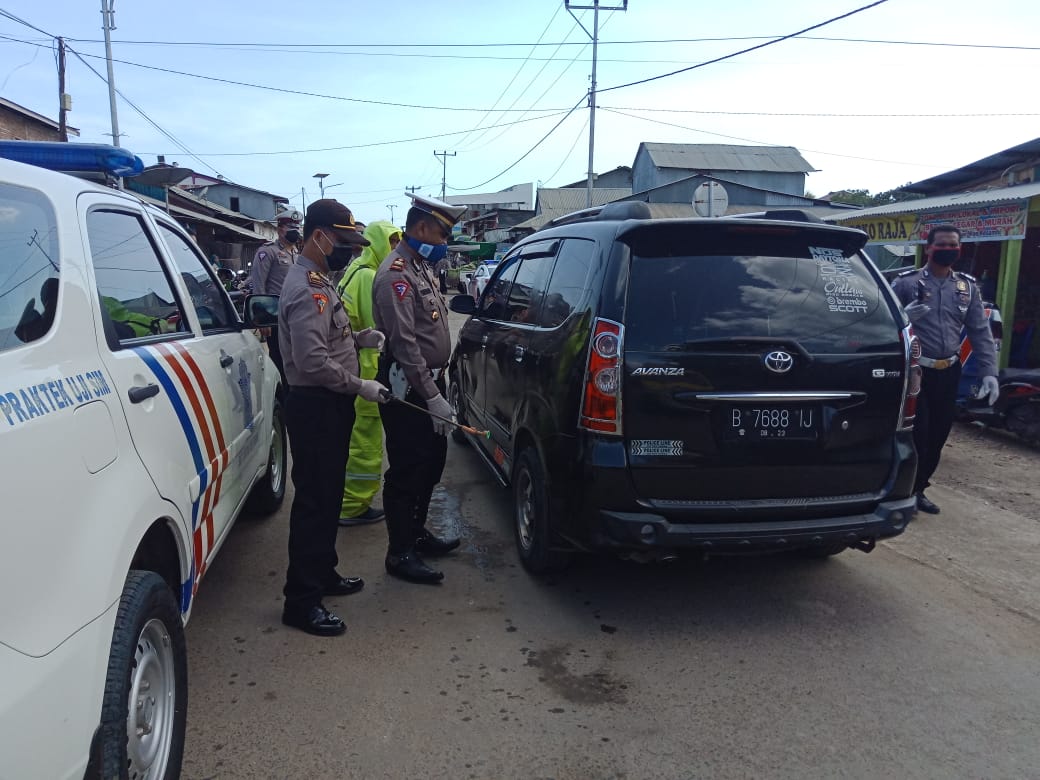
point(147, 342)
point(232, 363)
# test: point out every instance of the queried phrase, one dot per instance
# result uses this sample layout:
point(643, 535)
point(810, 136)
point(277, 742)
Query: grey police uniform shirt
point(408, 307)
point(317, 345)
point(270, 265)
point(955, 303)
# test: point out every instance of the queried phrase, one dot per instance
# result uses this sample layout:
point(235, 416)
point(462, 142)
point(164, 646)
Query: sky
point(267, 93)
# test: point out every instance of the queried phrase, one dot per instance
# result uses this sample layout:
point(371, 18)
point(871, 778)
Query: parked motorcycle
point(1017, 408)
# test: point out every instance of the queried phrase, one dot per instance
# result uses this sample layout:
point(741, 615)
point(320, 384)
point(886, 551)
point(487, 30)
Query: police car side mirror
point(463, 304)
point(261, 311)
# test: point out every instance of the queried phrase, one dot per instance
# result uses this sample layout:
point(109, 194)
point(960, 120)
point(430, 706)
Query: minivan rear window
point(829, 303)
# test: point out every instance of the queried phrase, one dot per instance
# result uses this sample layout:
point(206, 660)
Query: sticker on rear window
point(669, 447)
point(839, 281)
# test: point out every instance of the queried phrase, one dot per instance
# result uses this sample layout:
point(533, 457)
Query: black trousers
point(936, 409)
point(416, 455)
point(319, 422)
point(275, 351)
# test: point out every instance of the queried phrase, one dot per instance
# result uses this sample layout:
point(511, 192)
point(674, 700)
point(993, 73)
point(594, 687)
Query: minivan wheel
point(455, 400)
point(266, 496)
point(144, 710)
point(533, 518)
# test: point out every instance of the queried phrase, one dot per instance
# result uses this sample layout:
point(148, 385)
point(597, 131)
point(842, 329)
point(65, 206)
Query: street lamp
point(321, 182)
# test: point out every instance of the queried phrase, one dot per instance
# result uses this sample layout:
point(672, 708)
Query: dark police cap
point(330, 213)
point(443, 212)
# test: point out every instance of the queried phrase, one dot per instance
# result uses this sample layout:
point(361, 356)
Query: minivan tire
point(267, 494)
point(532, 517)
point(148, 662)
point(455, 401)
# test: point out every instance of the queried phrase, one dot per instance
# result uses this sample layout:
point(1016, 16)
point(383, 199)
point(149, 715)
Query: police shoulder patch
point(322, 301)
point(315, 279)
point(397, 264)
point(401, 289)
point(261, 255)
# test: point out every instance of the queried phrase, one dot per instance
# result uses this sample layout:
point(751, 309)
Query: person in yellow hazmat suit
point(366, 440)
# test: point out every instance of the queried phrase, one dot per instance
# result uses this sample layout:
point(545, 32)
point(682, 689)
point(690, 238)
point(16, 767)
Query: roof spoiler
point(616, 211)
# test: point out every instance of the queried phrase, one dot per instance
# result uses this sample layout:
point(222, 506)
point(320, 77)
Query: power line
point(764, 143)
point(569, 152)
point(525, 154)
point(749, 49)
point(807, 114)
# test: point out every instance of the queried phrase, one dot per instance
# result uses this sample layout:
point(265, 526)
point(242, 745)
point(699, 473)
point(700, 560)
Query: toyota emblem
point(779, 362)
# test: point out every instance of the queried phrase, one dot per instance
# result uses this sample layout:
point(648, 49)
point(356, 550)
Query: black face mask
point(340, 258)
point(292, 236)
point(945, 257)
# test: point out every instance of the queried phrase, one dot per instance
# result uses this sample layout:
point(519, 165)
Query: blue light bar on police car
point(81, 158)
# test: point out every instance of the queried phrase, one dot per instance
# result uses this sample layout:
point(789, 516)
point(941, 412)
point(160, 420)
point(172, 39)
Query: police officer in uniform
point(270, 265)
point(409, 308)
point(940, 302)
point(321, 363)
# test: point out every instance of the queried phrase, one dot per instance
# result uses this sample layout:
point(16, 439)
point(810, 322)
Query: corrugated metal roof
point(726, 157)
point(558, 202)
point(943, 202)
point(979, 170)
point(519, 195)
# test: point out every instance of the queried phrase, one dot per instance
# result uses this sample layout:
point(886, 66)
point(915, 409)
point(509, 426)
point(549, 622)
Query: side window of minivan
point(493, 302)
point(207, 296)
point(137, 300)
point(525, 296)
point(568, 281)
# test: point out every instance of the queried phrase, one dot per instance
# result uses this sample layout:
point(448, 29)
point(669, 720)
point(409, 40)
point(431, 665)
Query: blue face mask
point(432, 253)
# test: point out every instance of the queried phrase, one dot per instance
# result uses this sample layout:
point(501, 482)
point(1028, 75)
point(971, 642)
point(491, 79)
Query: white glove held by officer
point(437, 405)
point(370, 338)
point(372, 391)
point(990, 387)
point(916, 310)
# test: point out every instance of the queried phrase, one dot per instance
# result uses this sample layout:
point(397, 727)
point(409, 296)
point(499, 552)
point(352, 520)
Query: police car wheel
point(455, 400)
point(532, 528)
point(267, 494)
point(144, 709)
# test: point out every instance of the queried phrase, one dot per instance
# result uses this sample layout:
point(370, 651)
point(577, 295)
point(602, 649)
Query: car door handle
point(138, 394)
point(226, 360)
point(518, 353)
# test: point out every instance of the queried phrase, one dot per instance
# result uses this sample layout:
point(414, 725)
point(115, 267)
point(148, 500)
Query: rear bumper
point(650, 530)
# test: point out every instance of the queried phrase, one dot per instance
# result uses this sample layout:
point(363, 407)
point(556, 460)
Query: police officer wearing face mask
point(940, 302)
point(321, 363)
point(408, 306)
point(270, 265)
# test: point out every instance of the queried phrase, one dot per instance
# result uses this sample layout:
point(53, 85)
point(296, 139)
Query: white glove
point(372, 391)
point(437, 405)
point(990, 387)
point(916, 310)
point(370, 338)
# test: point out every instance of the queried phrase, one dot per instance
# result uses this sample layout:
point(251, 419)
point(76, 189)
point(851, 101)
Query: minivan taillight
point(912, 385)
point(601, 402)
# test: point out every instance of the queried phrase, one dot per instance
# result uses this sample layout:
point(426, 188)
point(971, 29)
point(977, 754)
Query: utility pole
point(594, 35)
point(391, 206)
point(63, 99)
point(108, 24)
point(444, 166)
point(411, 190)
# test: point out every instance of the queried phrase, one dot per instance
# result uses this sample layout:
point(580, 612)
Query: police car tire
point(148, 659)
point(532, 526)
point(455, 400)
point(267, 494)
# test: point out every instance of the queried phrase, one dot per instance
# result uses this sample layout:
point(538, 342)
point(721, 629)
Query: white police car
point(138, 418)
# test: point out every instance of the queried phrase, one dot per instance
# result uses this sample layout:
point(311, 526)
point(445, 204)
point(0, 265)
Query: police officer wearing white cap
point(940, 302)
point(270, 265)
point(409, 308)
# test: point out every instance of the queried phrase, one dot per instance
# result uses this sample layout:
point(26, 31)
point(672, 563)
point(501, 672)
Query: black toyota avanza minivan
point(716, 385)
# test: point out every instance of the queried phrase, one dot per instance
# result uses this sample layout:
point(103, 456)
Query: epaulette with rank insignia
point(316, 279)
point(397, 264)
point(907, 273)
point(969, 277)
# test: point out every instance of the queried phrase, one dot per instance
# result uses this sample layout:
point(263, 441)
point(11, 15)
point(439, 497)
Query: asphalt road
point(917, 660)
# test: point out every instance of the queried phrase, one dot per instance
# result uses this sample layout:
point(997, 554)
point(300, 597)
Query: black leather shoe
point(926, 505)
point(370, 515)
point(344, 586)
point(317, 620)
point(410, 566)
point(428, 544)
